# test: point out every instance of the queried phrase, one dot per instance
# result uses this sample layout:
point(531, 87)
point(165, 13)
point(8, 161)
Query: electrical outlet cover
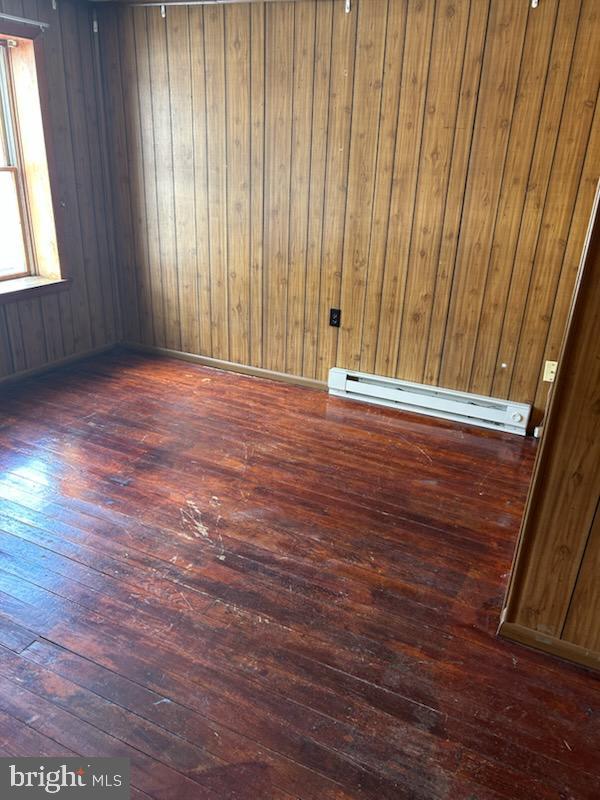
point(550, 371)
point(335, 317)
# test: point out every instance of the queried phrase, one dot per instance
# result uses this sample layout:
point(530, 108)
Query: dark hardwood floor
point(255, 591)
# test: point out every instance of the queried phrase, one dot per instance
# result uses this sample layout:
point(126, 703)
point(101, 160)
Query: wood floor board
point(422, 716)
point(225, 682)
point(234, 452)
point(244, 420)
point(54, 721)
point(190, 604)
point(19, 740)
point(264, 533)
point(128, 493)
point(189, 599)
point(168, 714)
point(353, 589)
point(179, 518)
point(144, 702)
point(342, 446)
point(365, 598)
point(419, 544)
point(14, 637)
point(410, 577)
point(320, 482)
point(218, 692)
point(277, 596)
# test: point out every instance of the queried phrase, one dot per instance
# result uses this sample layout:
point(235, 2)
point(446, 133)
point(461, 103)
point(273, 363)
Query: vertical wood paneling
point(257, 159)
point(415, 72)
point(539, 176)
point(553, 599)
point(37, 331)
point(530, 90)
point(504, 48)
point(180, 93)
point(388, 126)
point(467, 107)
point(15, 337)
point(140, 191)
point(198, 103)
point(581, 625)
point(76, 305)
point(341, 85)
point(53, 325)
point(279, 77)
point(32, 331)
point(426, 167)
point(146, 208)
point(83, 217)
point(216, 159)
point(6, 361)
point(441, 106)
point(318, 163)
point(164, 163)
point(587, 189)
point(117, 135)
point(577, 116)
point(364, 140)
point(304, 66)
point(94, 134)
point(237, 103)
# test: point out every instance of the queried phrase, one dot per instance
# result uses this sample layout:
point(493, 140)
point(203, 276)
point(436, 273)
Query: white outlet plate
point(550, 371)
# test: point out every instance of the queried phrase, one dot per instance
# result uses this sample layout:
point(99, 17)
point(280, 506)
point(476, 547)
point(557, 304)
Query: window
point(14, 260)
point(29, 256)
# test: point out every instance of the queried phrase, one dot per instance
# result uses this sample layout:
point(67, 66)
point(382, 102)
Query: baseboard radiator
point(471, 409)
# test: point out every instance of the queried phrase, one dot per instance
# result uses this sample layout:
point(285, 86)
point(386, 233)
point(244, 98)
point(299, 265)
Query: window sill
point(31, 286)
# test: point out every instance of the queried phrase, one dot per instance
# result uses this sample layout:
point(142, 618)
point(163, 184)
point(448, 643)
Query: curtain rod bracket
point(534, 3)
point(54, 5)
point(163, 11)
point(348, 7)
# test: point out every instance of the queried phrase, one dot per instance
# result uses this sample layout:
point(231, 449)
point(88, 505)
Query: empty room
point(300, 399)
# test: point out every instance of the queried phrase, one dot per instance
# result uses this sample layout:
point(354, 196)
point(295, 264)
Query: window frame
point(24, 217)
point(43, 209)
point(17, 168)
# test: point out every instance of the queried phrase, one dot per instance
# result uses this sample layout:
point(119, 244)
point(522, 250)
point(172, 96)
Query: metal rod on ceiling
point(24, 21)
point(159, 4)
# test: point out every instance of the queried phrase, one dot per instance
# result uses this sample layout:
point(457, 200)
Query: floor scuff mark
point(192, 518)
point(417, 447)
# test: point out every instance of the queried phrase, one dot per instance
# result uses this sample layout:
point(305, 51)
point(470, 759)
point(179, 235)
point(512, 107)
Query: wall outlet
point(550, 371)
point(335, 317)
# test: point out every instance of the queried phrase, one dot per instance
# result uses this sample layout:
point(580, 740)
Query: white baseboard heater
point(472, 409)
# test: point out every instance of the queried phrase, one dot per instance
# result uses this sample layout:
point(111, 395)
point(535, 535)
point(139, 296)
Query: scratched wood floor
point(254, 591)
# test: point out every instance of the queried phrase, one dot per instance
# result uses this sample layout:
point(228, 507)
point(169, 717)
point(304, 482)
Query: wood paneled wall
point(427, 167)
point(554, 598)
point(35, 332)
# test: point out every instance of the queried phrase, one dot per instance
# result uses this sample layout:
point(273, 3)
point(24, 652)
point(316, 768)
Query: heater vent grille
point(487, 412)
